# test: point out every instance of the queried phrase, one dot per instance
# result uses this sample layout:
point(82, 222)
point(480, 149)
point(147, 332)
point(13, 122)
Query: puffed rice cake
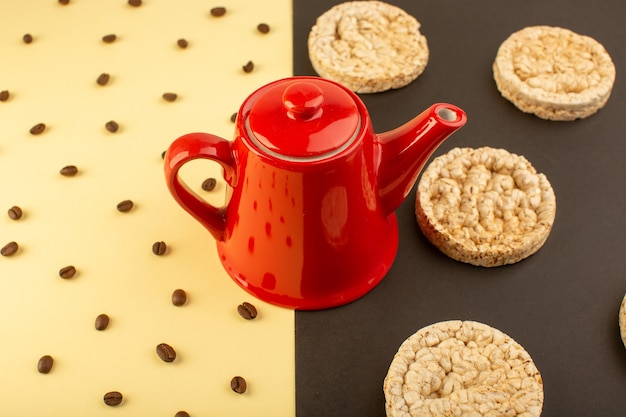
point(622, 320)
point(462, 368)
point(554, 73)
point(485, 206)
point(368, 46)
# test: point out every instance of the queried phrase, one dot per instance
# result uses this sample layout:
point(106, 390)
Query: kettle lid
point(304, 117)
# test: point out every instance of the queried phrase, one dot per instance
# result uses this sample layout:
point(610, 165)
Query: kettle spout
point(405, 150)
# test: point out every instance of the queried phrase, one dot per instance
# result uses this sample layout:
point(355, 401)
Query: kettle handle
point(199, 146)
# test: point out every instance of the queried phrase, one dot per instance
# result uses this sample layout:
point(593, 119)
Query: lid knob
point(303, 100)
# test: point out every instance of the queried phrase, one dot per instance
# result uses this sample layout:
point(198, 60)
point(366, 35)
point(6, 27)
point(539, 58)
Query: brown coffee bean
point(247, 310)
point(182, 43)
point(15, 213)
point(170, 96)
point(28, 38)
point(112, 126)
point(9, 249)
point(69, 171)
point(181, 414)
point(102, 322)
point(45, 364)
point(110, 38)
point(179, 297)
point(134, 3)
point(166, 352)
point(238, 384)
point(103, 79)
point(209, 184)
point(248, 67)
point(125, 206)
point(64, 2)
point(218, 11)
point(159, 248)
point(38, 129)
point(67, 272)
point(263, 28)
point(233, 117)
point(4, 95)
point(113, 398)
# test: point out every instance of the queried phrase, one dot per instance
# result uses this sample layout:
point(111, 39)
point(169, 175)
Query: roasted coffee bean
point(64, 2)
point(102, 322)
point(179, 297)
point(163, 154)
point(209, 184)
point(113, 398)
point(218, 11)
point(15, 213)
point(181, 414)
point(125, 206)
point(170, 96)
point(67, 272)
point(159, 248)
point(134, 3)
point(248, 67)
point(233, 117)
point(38, 129)
point(28, 38)
point(112, 126)
point(9, 249)
point(247, 310)
point(166, 352)
point(103, 79)
point(45, 364)
point(110, 38)
point(263, 27)
point(4, 95)
point(69, 171)
point(182, 43)
point(238, 384)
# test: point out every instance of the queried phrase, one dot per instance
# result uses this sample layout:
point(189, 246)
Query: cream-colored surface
point(74, 221)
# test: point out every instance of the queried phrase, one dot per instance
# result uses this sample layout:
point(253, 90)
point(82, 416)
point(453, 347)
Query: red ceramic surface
point(309, 221)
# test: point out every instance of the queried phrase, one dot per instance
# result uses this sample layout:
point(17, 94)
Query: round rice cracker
point(622, 320)
point(368, 46)
point(462, 368)
point(485, 206)
point(554, 73)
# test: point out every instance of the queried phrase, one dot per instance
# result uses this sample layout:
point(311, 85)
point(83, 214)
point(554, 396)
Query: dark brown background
point(562, 303)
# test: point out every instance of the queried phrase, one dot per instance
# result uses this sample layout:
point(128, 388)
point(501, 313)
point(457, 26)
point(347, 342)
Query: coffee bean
point(181, 414)
point(67, 272)
point(28, 38)
point(113, 398)
point(248, 67)
point(159, 248)
point(233, 117)
point(109, 38)
point(218, 11)
point(112, 126)
point(45, 364)
point(263, 28)
point(38, 129)
point(15, 213)
point(4, 95)
point(163, 154)
point(9, 249)
point(182, 43)
point(170, 96)
point(179, 297)
point(103, 79)
point(238, 384)
point(64, 2)
point(247, 310)
point(209, 184)
point(69, 171)
point(102, 322)
point(166, 352)
point(125, 206)
point(134, 3)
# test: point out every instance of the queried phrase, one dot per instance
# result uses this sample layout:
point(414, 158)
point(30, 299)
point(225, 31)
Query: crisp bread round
point(368, 46)
point(622, 320)
point(485, 206)
point(554, 73)
point(462, 368)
